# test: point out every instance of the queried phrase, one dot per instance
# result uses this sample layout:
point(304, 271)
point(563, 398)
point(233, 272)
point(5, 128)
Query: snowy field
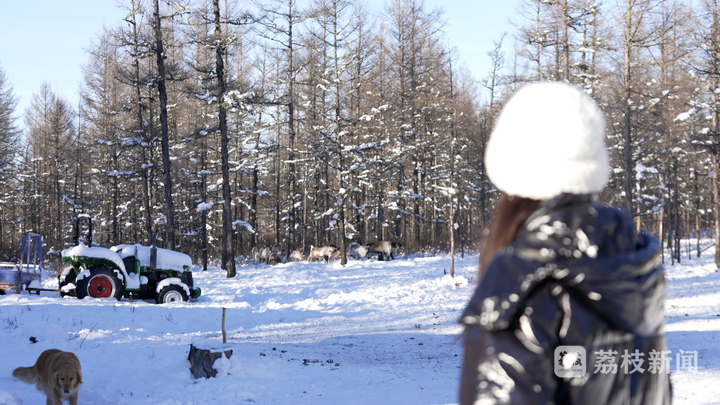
point(692, 308)
point(368, 333)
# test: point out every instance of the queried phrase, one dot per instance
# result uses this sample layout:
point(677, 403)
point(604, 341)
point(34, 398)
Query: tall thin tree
point(164, 131)
point(228, 251)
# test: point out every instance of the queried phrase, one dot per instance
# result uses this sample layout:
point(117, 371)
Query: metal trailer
point(26, 273)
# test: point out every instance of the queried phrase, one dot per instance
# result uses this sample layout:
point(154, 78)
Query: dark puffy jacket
point(577, 275)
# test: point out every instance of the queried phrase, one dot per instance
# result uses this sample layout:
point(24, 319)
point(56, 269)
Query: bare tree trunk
point(341, 219)
point(343, 194)
point(714, 155)
point(697, 213)
point(380, 214)
point(254, 197)
point(565, 41)
point(131, 19)
point(115, 204)
point(627, 155)
point(716, 206)
point(676, 211)
point(398, 217)
point(278, 207)
point(451, 213)
point(291, 132)
point(146, 199)
point(203, 198)
point(160, 57)
point(306, 193)
point(227, 239)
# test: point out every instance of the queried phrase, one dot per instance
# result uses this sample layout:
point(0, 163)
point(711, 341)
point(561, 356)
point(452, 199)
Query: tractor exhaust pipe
point(153, 254)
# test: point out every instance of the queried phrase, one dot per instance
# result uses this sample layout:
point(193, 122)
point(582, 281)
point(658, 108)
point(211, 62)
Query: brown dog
point(56, 373)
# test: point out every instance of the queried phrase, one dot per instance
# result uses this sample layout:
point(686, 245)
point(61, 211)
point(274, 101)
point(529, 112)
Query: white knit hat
point(549, 139)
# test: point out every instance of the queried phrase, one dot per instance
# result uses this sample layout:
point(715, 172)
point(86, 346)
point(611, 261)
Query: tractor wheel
point(171, 293)
point(101, 283)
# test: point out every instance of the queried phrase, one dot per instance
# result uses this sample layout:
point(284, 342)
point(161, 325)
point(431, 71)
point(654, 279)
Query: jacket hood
point(589, 249)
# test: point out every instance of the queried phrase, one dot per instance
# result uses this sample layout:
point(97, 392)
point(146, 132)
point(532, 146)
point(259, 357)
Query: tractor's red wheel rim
point(100, 286)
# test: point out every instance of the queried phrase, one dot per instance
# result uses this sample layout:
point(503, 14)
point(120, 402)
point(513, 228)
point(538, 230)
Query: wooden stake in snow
point(223, 328)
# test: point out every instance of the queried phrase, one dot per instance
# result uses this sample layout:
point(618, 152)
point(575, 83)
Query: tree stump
point(202, 360)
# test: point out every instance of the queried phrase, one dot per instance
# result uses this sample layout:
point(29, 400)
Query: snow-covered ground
point(692, 308)
point(367, 333)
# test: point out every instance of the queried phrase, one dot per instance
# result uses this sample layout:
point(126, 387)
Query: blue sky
point(47, 40)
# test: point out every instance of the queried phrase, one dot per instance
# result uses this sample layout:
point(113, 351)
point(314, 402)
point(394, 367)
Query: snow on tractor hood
point(94, 252)
point(166, 259)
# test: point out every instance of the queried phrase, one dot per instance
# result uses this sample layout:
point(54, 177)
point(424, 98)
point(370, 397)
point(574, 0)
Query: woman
point(570, 306)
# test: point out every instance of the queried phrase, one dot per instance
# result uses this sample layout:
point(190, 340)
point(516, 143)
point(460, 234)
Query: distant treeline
point(221, 127)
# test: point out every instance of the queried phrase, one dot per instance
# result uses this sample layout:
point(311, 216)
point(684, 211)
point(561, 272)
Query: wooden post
point(223, 328)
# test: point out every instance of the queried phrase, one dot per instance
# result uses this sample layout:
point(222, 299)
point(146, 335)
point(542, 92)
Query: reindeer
point(263, 254)
point(278, 258)
point(383, 249)
point(296, 256)
point(321, 252)
point(354, 251)
point(336, 255)
point(357, 251)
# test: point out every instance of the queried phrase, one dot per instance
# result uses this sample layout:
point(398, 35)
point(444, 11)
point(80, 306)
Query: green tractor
point(130, 271)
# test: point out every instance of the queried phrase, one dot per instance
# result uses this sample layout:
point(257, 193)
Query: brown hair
point(510, 213)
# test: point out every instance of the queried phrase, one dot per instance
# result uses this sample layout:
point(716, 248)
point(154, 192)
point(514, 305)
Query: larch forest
point(221, 127)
